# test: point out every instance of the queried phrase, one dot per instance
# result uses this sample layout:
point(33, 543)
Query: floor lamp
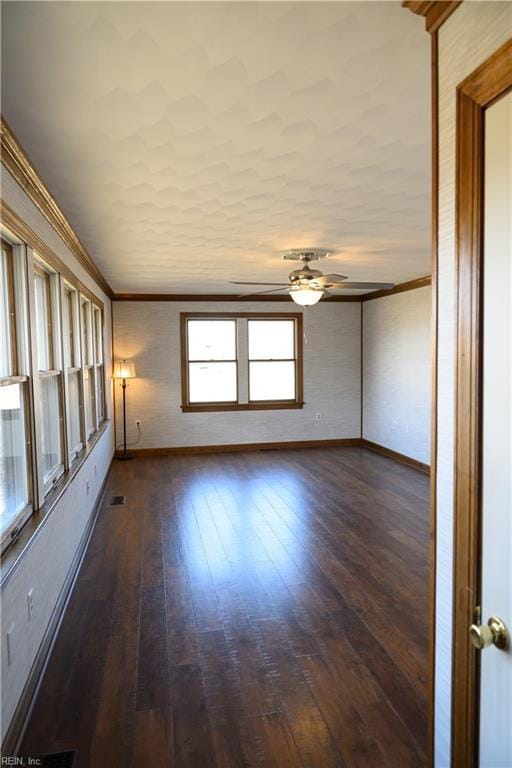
point(124, 369)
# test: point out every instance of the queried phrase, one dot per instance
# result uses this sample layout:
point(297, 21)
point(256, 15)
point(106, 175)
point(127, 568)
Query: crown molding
point(420, 282)
point(411, 285)
point(22, 232)
point(20, 167)
point(217, 297)
point(435, 12)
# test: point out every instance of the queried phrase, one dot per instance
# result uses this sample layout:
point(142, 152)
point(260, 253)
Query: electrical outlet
point(30, 602)
point(10, 644)
point(318, 416)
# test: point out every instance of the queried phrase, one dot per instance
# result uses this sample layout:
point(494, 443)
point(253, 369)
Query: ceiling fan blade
point(363, 286)
point(330, 279)
point(258, 293)
point(243, 282)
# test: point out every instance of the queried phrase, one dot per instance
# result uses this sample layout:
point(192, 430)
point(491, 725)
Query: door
point(496, 665)
point(482, 657)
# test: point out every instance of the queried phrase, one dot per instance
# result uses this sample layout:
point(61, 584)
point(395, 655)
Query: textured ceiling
point(188, 143)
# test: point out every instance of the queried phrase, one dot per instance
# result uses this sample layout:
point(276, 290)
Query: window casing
point(48, 334)
point(72, 371)
point(42, 381)
point(241, 361)
point(88, 367)
point(99, 370)
point(16, 491)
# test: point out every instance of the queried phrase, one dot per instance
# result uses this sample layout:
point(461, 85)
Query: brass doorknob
point(492, 633)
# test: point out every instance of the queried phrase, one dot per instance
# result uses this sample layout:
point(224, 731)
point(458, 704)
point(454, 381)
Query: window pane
point(51, 443)
point(42, 323)
point(98, 335)
point(212, 383)
point(75, 438)
point(100, 397)
point(69, 337)
point(5, 319)
point(271, 339)
point(13, 455)
point(89, 401)
point(211, 339)
point(86, 333)
point(272, 381)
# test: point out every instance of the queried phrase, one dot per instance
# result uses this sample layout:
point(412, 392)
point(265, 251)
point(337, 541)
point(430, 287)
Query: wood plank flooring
point(263, 609)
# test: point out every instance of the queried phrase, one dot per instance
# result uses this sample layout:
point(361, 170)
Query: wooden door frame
point(475, 94)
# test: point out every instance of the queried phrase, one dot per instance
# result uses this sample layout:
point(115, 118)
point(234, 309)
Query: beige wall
point(396, 372)
point(149, 333)
point(469, 37)
point(45, 564)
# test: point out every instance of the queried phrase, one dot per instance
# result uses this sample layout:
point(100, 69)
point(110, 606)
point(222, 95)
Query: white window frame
point(55, 371)
point(71, 337)
point(24, 368)
point(99, 363)
point(88, 368)
point(19, 372)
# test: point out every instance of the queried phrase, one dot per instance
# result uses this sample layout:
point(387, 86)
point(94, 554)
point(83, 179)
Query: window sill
point(266, 406)
point(15, 550)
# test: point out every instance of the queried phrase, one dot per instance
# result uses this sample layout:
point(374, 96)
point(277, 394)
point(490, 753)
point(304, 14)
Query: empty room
point(255, 384)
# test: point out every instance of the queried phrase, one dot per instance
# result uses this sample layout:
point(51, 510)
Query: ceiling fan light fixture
point(305, 296)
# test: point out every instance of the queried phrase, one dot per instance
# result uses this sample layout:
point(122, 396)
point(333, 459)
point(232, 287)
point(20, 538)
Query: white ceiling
point(189, 143)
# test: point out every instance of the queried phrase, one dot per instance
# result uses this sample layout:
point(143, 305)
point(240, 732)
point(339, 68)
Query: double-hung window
point(52, 378)
point(72, 369)
point(15, 477)
point(49, 366)
point(88, 367)
point(99, 372)
point(212, 361)
point(272, 360)
point(241, 361)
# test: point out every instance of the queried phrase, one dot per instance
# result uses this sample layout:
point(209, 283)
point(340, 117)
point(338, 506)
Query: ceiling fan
point(306, 286)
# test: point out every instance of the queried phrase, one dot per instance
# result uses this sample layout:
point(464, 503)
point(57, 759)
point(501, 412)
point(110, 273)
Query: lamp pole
point(125, 456)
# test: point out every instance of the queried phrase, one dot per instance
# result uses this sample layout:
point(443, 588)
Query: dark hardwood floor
point(251, 609)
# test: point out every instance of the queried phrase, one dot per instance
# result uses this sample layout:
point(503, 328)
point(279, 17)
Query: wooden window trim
point(11, 298)
point(267, 405)
point(489, 82)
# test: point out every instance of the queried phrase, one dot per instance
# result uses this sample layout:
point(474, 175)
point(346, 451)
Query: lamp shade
point(124, 369)
point(306, 297)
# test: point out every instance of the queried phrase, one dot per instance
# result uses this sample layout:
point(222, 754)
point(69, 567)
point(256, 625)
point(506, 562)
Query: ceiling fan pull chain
point(304, 334)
